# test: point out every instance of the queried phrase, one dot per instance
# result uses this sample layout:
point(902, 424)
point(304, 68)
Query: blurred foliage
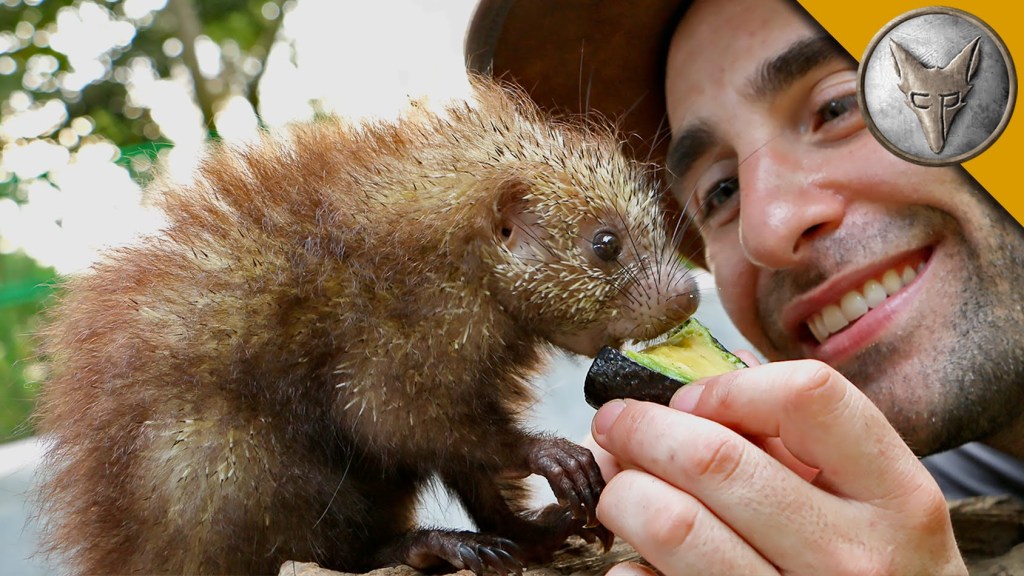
point(163, 40)
point(33, 72)
point(24, 287)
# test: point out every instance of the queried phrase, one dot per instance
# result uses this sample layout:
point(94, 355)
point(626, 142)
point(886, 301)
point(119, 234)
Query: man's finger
point(605, 461)
point(823, 421)
point(775, 510)
point(674, 531)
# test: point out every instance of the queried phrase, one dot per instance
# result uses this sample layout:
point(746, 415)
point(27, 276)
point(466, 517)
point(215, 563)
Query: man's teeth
point(856, 303)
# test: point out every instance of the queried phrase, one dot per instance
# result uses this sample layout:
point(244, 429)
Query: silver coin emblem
point(936, 86)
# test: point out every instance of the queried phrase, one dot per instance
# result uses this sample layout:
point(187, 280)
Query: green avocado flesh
point(653, 374)
point(689, 353)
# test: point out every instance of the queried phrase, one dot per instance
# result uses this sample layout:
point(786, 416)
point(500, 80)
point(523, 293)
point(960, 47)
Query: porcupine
point(330, 318)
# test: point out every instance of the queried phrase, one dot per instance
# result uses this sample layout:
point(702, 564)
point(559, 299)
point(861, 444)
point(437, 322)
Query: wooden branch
point(577, 558)
point(989, 531)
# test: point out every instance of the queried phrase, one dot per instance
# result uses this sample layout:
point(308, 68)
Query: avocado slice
point(653, 374)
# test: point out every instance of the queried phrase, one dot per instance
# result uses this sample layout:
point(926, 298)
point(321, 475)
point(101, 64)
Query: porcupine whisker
point(625, 113)
point(673, 280)
point(675, 250)
point(647, 266)
point(649, 270)
point(688, 220)
point(690, 274)
point(654, 263)
point(636, 250)
point(664, 263)
point(670, 237)
point(619, 284)
point(658, 138)
point(629, 272)
point(682, 222)
point(667, 262)
point(679, 269)
point(620, 287)
point(584, 103)
point(631, 279)
point(337, 488)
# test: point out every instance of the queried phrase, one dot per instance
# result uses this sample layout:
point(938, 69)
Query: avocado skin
point(614, 375)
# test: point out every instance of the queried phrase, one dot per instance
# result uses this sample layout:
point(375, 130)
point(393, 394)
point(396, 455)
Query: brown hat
point(585, 56)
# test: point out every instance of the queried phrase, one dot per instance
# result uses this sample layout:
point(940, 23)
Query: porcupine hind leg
point(428, 549)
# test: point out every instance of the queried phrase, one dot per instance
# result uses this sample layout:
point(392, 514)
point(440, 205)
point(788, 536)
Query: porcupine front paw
point(576, 481)
point(429, 549)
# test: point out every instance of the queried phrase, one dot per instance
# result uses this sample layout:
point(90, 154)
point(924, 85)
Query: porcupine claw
point(599, 533)
point(561, 524)
point(478, 557)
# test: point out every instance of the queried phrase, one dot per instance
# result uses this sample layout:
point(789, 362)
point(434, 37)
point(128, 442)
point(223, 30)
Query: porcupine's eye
point(606, 246)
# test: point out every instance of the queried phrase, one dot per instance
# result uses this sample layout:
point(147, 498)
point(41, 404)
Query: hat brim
point(586, 57)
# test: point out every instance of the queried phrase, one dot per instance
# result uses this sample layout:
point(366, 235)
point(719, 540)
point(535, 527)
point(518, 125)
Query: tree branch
point(190, 28)
point(266, 43)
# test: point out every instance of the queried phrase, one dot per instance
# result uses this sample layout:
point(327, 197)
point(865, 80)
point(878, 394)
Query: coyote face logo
point(936, 94)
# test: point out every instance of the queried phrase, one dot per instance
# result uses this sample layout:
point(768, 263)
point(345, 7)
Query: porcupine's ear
point(517, 226)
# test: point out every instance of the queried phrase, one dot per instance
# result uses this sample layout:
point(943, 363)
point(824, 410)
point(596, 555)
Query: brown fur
point(328, 319)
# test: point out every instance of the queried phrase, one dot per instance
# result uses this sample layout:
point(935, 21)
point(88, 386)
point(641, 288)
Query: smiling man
point(825, 245)
point(885, 293)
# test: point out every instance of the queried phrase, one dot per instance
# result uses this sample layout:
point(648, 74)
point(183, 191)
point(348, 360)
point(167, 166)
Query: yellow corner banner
point(854, 25)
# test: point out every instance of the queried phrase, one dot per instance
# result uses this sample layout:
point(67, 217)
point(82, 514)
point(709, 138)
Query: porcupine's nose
point(678, 306)
point(655, 309)
point(682, 306)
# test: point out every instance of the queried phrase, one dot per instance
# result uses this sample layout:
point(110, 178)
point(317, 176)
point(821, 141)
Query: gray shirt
point(976, 470)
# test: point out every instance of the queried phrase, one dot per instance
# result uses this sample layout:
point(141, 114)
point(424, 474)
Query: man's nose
point(786, 203)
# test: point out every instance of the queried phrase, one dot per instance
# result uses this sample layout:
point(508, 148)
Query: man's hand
point(784, 468)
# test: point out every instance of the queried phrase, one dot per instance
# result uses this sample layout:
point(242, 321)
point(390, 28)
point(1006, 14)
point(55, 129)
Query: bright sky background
point(355, 58)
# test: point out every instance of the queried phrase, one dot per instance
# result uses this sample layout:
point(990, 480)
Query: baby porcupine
point(330, 318)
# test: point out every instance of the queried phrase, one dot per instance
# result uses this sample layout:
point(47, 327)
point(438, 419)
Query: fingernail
point(607, 415)
point(629, 569)
point(685, 399)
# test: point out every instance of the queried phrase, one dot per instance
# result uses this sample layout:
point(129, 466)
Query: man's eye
point(836, 108)
point(718, 195)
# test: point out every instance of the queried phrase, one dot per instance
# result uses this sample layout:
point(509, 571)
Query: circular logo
point(936, 86)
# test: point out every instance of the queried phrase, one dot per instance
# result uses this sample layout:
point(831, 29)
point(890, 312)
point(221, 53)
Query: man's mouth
point(856, 303)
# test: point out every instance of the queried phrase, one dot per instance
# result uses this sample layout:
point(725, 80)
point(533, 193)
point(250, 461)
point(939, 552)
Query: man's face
point(824, 245)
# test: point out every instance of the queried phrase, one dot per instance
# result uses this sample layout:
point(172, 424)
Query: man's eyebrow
point(685, 149)
point(782, 70)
